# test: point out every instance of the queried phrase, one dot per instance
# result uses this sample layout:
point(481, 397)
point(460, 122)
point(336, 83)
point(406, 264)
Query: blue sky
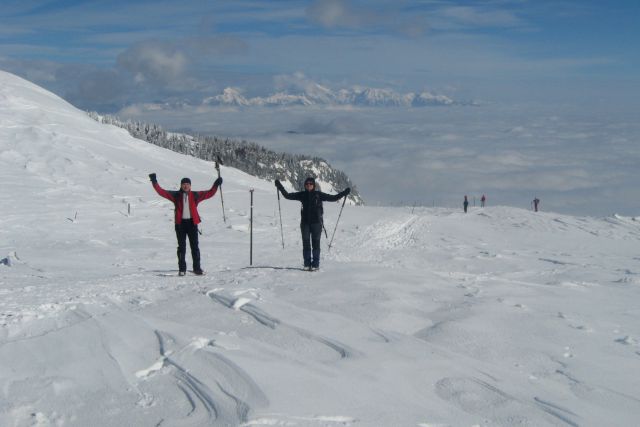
point(109, 54)
point(555, 86)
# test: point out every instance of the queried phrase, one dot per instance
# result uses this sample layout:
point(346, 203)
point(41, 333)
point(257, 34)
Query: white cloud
point(345, 14)
point(339, 13)
point(154, 62)
point(468, 16)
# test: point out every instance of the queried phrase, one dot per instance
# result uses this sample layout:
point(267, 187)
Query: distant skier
point(482, 200)
point(311, 218)
point(465, 204)
point(186, 218)
point(535, 203)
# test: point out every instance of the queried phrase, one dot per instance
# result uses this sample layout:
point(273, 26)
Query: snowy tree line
point(246, 156)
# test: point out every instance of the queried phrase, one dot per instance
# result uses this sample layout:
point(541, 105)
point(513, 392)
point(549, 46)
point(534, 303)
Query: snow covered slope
point(432, 317)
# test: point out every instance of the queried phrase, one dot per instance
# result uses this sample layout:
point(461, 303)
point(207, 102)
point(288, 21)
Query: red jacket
point(195, 197)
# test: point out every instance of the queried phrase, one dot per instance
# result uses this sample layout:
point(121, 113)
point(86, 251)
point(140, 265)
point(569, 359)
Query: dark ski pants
point(184, 229)
point(311, 239)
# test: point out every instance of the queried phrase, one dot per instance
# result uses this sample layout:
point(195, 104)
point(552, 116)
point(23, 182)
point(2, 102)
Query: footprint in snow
point(478, 397)
point(516, 305)
point(627, 340)
point(567, 353)
point(574, 325)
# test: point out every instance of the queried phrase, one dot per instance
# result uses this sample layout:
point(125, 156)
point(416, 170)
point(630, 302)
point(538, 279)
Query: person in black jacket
point(311, 218)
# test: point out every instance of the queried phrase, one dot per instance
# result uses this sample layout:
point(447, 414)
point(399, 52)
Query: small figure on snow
point(535, 204)
point(311, 218)
point(465, 204)
point(186, 218)
point(482, 201)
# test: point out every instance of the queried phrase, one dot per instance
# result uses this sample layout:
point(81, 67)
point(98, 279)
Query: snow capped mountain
point(418, 317)
point(315, 94)
point(233, 97)
point(230, 96)
point(427, 98)
point(318, 94)
point(375, 97)
point(283, 99)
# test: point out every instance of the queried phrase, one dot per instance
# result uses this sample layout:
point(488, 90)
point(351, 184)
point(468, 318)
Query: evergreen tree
point(246, 156)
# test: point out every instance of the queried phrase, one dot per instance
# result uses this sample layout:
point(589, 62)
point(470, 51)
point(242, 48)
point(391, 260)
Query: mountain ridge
point(318, 95)
point(248, 157)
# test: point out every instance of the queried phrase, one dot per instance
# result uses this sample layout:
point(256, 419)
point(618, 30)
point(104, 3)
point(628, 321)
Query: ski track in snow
point(417, 317)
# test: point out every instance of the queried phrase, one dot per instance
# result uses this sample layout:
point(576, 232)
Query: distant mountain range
point(317, 94)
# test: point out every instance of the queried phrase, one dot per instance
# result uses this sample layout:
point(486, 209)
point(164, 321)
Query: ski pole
point(218, 163)
point(251, 231)
point(280, 212)
point(339, 215)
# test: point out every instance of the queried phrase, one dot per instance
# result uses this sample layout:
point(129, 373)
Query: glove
point(152, 177)
point(345, 192)
point(279, 185)
point(218, 182)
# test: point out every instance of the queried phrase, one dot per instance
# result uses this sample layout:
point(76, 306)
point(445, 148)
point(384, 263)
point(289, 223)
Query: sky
point(575, 61)
point(109, 54)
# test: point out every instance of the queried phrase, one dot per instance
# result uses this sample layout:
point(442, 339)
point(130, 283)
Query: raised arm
point(204, 195)
point(287, 195)
point(334, 197)
point(161, 191)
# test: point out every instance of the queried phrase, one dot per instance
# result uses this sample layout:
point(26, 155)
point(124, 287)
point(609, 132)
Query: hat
point(185, 180)
point(311, 180)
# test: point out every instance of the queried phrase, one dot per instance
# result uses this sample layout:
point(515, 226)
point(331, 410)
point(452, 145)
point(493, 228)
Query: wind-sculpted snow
point(273, 323)
point(417, 317)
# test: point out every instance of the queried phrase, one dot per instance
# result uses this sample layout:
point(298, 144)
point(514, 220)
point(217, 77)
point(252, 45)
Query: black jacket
point(311, 212)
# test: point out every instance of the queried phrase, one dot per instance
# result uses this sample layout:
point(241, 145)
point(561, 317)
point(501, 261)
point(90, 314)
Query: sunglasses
point(309, 183)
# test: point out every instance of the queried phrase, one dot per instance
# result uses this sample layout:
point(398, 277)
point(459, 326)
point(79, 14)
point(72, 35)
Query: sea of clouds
point(574, 161)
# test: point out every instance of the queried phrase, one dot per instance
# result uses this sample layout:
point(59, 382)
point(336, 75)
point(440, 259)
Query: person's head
point(310, 184)
point(185, 184)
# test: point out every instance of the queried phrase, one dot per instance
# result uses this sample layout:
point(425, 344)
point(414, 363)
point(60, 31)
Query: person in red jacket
point(186, 218)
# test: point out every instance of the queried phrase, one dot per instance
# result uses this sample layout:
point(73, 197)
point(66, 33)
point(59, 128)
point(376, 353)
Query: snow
point(309, 93)
point(418, 317)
